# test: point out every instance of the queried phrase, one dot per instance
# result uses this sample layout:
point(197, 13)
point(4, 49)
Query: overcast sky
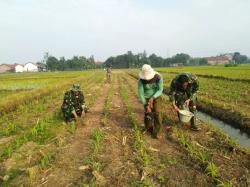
point(104, 28)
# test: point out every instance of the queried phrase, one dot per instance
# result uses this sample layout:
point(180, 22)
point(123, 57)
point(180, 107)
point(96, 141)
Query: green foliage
point(224, 184)
point(75, 63)
point(212, 169)
point(97, 137)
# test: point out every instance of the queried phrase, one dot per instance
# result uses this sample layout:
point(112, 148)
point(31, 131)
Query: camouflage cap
point(76, 87)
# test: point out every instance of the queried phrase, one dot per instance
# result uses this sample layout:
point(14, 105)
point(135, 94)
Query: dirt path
point(67, 162)
point(117, 153)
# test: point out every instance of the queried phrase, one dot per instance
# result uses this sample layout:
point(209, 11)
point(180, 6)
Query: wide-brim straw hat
point(147, 72)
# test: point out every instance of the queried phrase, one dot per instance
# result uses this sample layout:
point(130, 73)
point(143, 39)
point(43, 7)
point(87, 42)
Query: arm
point(172, 95)
point(141, 92)
point(160, 89)
point(172, 91)
point(195, 88)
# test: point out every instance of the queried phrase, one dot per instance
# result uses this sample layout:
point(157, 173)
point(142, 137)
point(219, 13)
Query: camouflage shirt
point(72, 102)
point(176, 86)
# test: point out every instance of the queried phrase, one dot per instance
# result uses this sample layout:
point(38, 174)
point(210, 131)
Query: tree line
point(130, 60)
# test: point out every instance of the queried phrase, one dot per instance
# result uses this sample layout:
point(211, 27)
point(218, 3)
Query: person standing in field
point(183, 95)
point(108, 74)
point(150, 88)
point(73, 104)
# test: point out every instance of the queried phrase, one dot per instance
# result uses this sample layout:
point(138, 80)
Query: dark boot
point(148, 121)
point(193, 122)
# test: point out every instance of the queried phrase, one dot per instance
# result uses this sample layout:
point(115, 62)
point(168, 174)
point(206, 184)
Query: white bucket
point(185, 116)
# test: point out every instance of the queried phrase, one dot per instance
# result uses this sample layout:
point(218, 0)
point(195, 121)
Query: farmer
point(73, 104)
point(150, 87)
point(183, 90)
point(108, 74)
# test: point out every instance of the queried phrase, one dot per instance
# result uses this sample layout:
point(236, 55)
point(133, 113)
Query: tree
point(240, 59)
point(181, 58)
point(52, 63)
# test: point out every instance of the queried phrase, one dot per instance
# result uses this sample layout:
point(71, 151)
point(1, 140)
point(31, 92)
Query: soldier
point(109, 73)
point(73, 104)
point(150, 87)
point(182, 94)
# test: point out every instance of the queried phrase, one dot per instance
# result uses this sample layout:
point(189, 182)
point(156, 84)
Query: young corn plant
point(46, 160)
point(212, 169)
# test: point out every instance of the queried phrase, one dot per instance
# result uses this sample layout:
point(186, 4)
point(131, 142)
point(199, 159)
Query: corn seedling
point(212, 169)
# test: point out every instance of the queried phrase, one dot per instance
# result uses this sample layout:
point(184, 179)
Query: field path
point(117, 153)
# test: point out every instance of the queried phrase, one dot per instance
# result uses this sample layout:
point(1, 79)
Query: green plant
point(224, 184)
point(203, 155)
point(46, 160)
point(212, 169)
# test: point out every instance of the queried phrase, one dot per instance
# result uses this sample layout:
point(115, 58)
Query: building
point(218, 60)
point(6, 68)
point(30, 67)
point(19, 68)
point(41, 66)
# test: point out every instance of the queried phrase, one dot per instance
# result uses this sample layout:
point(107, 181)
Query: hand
point(148, 109)
point(75, 115)
point(176, 107)
point(187, 102)
point(151, 100)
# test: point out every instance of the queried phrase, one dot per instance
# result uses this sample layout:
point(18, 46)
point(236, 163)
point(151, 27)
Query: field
point(108, 147)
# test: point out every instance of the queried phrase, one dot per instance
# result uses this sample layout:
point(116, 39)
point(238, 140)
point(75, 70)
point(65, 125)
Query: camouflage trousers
point(68, 115)
point(153, 120)
point(180, 99)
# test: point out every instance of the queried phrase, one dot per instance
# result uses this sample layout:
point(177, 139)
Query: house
point(19, 68)
point(6, 68)
point(218, 60)
point(30, 67)
point(41, 66)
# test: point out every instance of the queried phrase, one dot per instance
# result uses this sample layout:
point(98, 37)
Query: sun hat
point(76, 88)
point(147, 72)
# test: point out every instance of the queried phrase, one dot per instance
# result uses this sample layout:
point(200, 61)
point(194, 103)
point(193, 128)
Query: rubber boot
point(148, 122)
point(193, 122)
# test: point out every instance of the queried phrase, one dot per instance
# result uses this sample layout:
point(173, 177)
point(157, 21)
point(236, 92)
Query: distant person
point(150, 87)
point(73, 104)
point(183, 95)
point(109, 72)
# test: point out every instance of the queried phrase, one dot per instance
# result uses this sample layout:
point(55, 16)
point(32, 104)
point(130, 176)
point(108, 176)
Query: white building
point(30, 67)
point(19, 68)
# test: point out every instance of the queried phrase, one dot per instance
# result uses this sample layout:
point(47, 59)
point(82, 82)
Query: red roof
point(218, 58)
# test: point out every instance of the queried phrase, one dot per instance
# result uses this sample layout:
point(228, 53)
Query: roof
point(9, 65)
point(218, 58)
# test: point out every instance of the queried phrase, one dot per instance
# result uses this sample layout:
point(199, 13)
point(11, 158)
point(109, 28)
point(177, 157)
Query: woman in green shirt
point(150, 87)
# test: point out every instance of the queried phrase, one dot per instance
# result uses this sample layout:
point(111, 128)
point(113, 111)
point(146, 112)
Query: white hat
point(147, 72)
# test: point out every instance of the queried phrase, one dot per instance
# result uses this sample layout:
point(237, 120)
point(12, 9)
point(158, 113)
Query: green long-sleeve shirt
point(148, 89)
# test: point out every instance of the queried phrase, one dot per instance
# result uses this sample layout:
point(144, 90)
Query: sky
point(104, 28)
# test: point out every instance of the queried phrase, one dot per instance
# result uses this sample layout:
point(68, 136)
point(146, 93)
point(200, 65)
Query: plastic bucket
point(185, 116)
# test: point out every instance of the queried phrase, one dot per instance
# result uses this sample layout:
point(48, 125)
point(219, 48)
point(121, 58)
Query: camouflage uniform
point(109, 74)
point(179, 95)
point(73, 102)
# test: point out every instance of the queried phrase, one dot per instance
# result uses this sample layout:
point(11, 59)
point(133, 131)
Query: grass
point(46, 160)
